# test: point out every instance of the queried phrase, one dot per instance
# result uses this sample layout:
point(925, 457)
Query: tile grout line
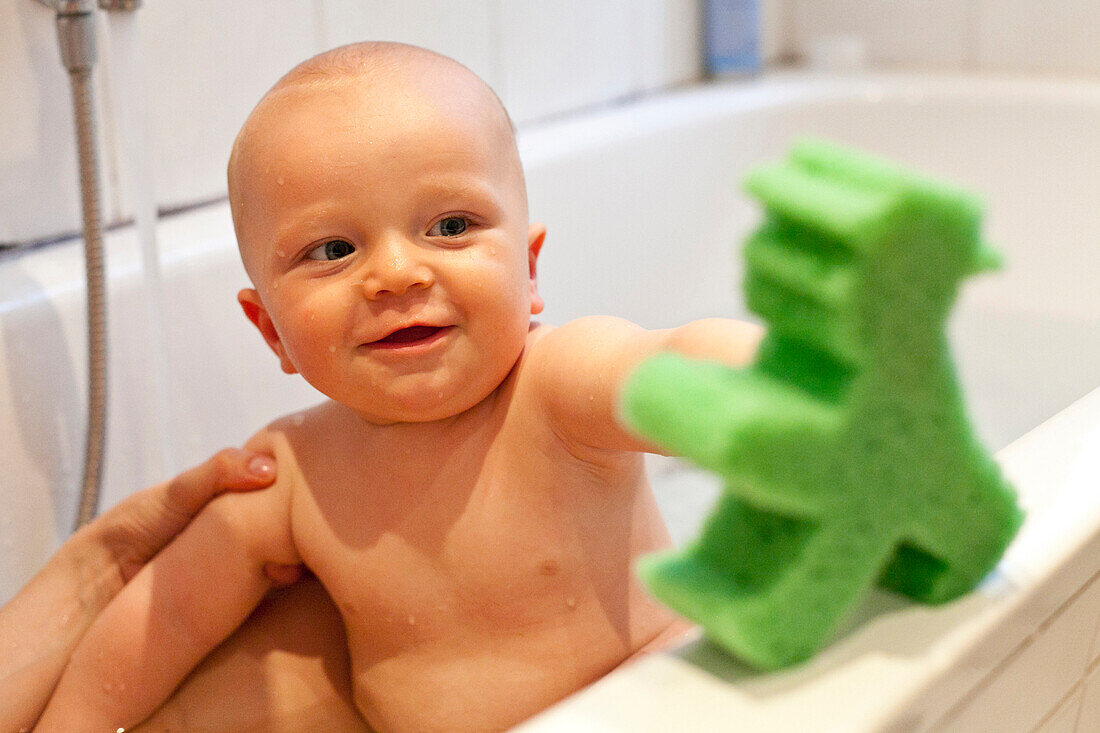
point(1093, 663)
point(993, 674)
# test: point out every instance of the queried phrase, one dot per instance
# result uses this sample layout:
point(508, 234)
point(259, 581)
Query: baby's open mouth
point(410, 335)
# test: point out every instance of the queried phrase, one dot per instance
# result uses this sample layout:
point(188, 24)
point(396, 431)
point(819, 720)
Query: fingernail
point(261, 466)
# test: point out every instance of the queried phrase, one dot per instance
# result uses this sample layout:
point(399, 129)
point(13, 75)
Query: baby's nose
point(394, 268)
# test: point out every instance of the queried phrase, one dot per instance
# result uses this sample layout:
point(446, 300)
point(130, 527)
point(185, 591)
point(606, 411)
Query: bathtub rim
point(550, 139)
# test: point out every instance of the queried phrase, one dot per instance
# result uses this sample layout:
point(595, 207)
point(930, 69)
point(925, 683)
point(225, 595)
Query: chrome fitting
point(76, 36)
point(73, 7)
point(113, 6)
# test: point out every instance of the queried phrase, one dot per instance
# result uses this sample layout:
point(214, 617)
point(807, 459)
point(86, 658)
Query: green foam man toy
point(845, 449)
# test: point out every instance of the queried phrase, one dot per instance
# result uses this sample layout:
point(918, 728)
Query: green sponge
point(846, 453)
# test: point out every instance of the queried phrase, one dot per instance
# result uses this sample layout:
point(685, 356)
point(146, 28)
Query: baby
point(466, 495)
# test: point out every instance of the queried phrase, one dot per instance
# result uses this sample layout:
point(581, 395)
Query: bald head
point(383, 70)
point(353, 113)
point(378, 59)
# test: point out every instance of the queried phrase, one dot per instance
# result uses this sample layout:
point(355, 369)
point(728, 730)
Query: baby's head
point(381, 214)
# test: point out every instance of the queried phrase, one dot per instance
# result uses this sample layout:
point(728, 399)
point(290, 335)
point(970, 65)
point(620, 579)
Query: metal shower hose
point(97, 294)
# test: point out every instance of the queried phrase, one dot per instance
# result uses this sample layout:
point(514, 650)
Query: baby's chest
point(474, 550)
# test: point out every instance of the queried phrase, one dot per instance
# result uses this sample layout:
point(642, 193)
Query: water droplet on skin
point(412, 620)
point(274, 286)
point(280, 180)
point(332, 349)
point(571, 602)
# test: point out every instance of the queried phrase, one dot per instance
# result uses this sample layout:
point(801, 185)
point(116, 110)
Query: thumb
point(145, 522)
point(230, 469)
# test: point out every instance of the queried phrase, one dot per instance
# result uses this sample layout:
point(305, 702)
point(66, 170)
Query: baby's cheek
point(309, 342)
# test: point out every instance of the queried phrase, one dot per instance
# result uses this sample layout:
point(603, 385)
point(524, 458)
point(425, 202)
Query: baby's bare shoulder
point(295, 435)
point(261, 520)
point(573, 373)
point(583, 332)
point(557, 355)
point(298, 425)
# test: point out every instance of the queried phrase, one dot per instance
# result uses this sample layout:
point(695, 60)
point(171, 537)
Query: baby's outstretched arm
point(579, 370)
point(180, 606)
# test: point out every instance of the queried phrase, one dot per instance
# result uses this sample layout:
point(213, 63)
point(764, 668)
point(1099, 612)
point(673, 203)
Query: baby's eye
point(452, 226)
point(334, 250)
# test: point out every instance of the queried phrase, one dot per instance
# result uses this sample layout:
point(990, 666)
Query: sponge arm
point(706, 412)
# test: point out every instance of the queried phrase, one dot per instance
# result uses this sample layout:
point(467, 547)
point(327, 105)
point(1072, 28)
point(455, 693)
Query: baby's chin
point(426, 407)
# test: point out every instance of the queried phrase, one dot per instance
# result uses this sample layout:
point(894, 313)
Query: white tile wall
point(465, 30)
point(1027, 35)
point(566, 54)
point(670, 45)
point(1053, 36)
point(925, 33)
point(776, 29)
point(38, 175)
point(206, 62)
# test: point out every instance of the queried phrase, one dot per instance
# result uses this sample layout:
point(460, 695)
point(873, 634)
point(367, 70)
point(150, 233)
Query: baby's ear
point(536, 235)
point(255, 311)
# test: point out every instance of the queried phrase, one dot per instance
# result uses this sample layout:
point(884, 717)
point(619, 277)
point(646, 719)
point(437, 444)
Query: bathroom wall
point(1002, 36)
point(206, 63)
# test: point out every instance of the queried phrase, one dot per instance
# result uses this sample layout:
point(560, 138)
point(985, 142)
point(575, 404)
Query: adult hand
point(140, 525)
point(41, 626)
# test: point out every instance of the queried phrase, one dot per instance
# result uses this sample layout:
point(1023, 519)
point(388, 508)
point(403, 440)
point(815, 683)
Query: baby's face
point(385, 230)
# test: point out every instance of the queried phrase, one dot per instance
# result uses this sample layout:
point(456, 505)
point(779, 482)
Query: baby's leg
point(284, 670)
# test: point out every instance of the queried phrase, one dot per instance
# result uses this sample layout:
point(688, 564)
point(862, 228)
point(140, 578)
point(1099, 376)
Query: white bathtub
point(645, 214)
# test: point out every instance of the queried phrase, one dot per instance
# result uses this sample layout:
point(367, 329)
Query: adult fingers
point(230, 469)
point(143, 523)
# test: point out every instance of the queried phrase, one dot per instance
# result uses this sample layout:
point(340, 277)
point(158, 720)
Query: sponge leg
point(948, 555)
point(773, 603)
